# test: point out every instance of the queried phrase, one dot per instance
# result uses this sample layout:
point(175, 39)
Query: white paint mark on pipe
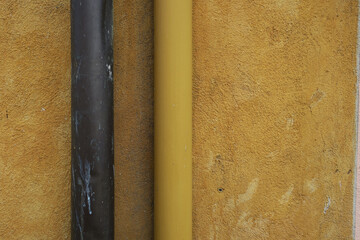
point(86, 178)
point(108, 66)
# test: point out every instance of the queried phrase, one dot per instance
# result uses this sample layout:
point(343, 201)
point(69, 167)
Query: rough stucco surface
point(34, 119)
point(274, 119)
point(133, 66)
point(274, 110)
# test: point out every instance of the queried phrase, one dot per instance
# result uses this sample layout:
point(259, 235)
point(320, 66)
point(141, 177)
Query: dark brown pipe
point(92, 120)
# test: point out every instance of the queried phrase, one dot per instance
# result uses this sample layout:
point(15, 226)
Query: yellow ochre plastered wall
point(273, 119)
point(34, 119)
point(133, 108)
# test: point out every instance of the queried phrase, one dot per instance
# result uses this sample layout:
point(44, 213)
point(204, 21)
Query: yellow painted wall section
point(35, 119)
point(273, 119)
point(133, 109)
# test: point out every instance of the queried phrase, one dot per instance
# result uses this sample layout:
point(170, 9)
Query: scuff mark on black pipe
point(92, 120)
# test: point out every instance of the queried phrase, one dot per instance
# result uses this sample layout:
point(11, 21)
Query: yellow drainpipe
point(173, 119)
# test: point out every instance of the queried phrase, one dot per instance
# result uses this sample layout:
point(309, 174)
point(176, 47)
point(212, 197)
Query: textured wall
point(133, 66)
point(34, 119)
point(274, 110)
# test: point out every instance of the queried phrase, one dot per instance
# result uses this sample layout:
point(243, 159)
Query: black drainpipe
point(92, 186)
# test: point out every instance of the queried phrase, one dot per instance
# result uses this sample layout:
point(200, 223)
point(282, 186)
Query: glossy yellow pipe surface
point(173, 119)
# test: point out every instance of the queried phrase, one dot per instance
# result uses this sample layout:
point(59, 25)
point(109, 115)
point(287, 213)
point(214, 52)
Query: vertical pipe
point(92, 120)
point(173, 119)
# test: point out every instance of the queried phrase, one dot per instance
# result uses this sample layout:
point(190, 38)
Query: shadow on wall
point(133, 119)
